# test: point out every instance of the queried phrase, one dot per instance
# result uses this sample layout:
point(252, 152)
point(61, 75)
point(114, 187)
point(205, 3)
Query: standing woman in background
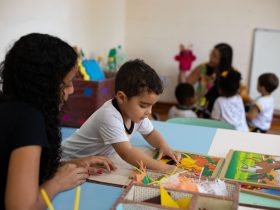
point(37, 78)
point(204, 75)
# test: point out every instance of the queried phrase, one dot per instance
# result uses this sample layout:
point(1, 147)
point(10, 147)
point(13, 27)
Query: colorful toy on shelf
point(83, 71)
point(81, 56)
point(112, 60)
point(111, 64)
point(93, 69)
point(116, 58)
point(121, 57)
point(100, 60)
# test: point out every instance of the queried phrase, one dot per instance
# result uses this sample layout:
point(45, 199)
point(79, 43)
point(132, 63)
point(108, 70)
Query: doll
point(185, 59)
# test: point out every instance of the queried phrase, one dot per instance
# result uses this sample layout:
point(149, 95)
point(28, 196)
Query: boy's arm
point(134, 156)
point(156, 140)
point(253, 113)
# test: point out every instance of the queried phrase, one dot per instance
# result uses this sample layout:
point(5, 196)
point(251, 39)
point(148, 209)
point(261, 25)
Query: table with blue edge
point(194, 139)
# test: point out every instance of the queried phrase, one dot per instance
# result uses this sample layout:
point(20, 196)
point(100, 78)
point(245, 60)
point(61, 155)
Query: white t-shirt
point(102, 129)
point(175, 112)
point(266, 106)
point(230, 110)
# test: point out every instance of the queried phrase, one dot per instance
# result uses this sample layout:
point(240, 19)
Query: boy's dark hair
point(229, 82)
point(183, 92)
point(135, 76)
point(269, 81)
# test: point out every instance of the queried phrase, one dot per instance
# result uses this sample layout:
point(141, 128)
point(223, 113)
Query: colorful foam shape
point(83, 71)
point(93, 70)
point(66, 118)
point(104, 91)
point(88, 91)
point(146, 180)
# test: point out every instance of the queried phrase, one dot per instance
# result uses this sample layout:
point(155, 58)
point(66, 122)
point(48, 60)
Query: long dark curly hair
point(226, 55)
point(33, 72)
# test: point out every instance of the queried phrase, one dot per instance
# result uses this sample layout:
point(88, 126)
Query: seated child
point(185, 96)
point(109, 129)
point(261, 113)
point(229, 106)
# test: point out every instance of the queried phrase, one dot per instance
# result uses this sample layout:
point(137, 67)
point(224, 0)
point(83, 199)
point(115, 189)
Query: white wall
point(94, 25)
point(154, 29)
point(149, 29)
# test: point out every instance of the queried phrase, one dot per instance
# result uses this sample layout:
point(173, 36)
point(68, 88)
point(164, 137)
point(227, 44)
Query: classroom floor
point(162, 109)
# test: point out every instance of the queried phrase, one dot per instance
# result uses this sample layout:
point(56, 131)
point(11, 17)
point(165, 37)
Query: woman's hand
point(70, 175)
point(166, 151)
point(95, 163)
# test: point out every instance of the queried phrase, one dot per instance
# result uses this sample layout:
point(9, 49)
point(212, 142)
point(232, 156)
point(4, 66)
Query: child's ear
point(121, 97)
point(193, 100)
point(220, 91)
point(263, 89)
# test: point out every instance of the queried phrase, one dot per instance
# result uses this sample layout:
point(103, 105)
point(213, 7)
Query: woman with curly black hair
point(36, 80)
point(205, 75)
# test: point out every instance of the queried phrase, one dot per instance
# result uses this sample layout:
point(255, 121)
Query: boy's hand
point(166, 151)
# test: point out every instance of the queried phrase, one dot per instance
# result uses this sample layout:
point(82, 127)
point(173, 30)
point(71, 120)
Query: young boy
point(261, 113)
point(185, 96)
point(109, 129)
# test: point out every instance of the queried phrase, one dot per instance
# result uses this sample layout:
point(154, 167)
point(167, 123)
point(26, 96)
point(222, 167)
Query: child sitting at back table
point(229, 106)
point(261, 113)
point(109, 129)
point(185, 96)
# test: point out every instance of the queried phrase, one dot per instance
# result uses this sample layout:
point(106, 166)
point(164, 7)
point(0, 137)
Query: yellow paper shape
point(166, 199)
point(184, 203)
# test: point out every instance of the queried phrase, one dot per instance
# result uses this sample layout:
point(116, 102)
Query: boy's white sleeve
point(260, 103)
point(145, 127)
point(112, 131)
point(216, 112)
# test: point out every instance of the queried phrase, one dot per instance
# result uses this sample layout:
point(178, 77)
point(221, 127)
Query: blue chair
point(202, 122)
